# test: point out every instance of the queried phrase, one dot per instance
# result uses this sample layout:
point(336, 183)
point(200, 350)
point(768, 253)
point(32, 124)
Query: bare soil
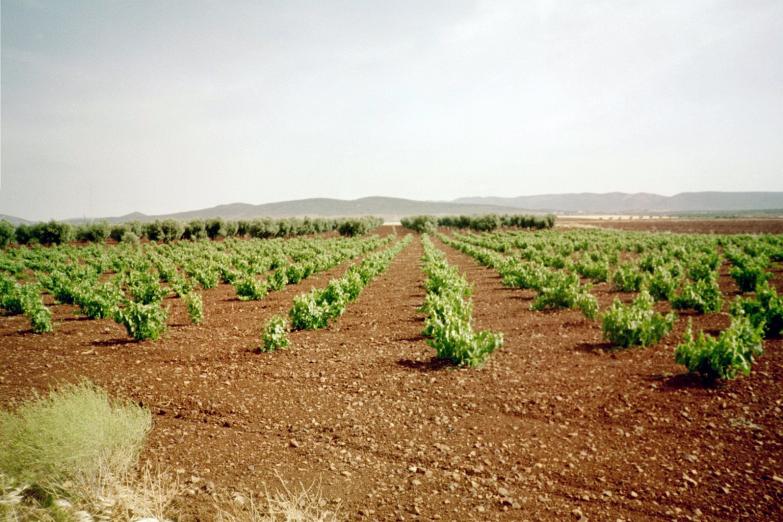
point(556, 426)
point(772, 225)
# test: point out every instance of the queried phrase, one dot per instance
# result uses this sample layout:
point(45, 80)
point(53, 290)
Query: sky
point(114, 106)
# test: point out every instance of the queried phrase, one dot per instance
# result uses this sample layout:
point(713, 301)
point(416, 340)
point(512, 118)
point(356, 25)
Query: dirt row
point(555, 426)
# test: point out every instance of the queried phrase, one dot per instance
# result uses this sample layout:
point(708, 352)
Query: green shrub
point(597, 271)
point(228, 274)
point(636, 324)
point(449, 310)
point(703, 266)
point(69, 438)
point(61, 285)
point(351, 284)
point(142, 321)
point(250, 289)
point(10, 295)
point(564, 291)
point(662, 284)
point(98, 301)
point(275, 334)
point(451, 334)
point(334, 298)
point(181, 285)
point(144, 287)
point(207, 276)
point(277, 280)
point(750, 273)
point(40, 319)
point(765, 310)
point(307, 313)
point(195, 307)
point(627, 278)
point(295, 273)
point(35, 310)
point(517, 274)
point(724, 357)
point(703, 296)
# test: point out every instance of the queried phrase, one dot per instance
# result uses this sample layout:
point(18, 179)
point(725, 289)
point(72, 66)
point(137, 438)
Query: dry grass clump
point(302, 504)
point(71, 455)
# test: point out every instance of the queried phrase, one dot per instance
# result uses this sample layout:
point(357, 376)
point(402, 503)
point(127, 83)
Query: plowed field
point(555, 426)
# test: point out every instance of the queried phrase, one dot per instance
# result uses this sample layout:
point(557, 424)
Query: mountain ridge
point(639, 202)
point(392, 209)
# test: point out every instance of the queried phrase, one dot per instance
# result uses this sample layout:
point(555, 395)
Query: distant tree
point(215, 228)
point(93, 232)
point(52, 233)
point(7, 233)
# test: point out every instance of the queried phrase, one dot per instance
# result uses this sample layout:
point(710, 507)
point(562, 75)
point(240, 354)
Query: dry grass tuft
point(302, 504)
point(71, 456)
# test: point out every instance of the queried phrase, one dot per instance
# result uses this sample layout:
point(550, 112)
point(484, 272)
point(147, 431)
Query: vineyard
point(455, 368)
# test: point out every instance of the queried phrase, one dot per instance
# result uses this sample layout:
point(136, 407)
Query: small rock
point(442, 447)
point(689, 480)
point(63, 504)
point(293, 443)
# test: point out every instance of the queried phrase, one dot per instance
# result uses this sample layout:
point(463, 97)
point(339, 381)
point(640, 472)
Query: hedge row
point(56, 232)
point(483, 223)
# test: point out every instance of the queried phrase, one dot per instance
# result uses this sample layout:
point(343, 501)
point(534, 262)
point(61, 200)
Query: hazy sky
point(111, 106)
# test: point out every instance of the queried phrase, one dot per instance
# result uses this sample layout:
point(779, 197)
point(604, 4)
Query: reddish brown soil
point(683, 225)
point(556, 425)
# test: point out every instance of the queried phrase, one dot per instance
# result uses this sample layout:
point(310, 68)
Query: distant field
point(684, 225)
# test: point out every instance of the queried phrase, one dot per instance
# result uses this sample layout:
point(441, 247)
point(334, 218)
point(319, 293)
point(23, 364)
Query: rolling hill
point(639, 203)
point(392, 209)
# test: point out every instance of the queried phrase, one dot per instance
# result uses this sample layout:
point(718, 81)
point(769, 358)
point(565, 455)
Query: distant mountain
point(639, 203)
point(13, 219)
point(390, 209)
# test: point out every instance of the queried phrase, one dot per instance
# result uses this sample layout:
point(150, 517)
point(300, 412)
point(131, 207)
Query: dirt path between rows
point(555, 426)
